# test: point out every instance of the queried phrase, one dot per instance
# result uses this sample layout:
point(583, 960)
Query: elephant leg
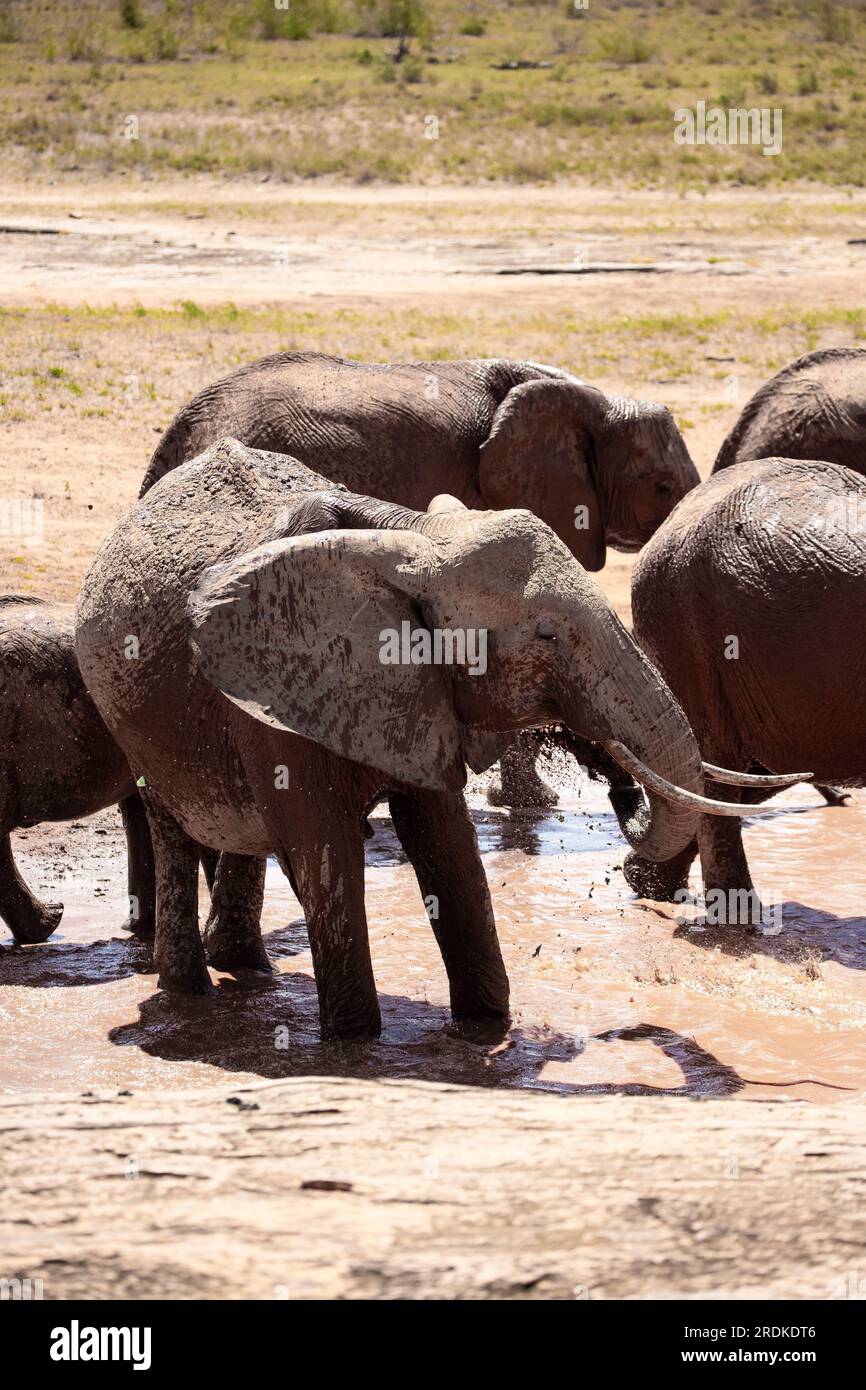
point(663, 881)
point(232, 933)
point(322, 854)
point(209, 859)
point(728, 889)
point(140, 871)
point(518, 783)
point(178, 953)
point(28, 919)
point(437, 833)
point(832, 795)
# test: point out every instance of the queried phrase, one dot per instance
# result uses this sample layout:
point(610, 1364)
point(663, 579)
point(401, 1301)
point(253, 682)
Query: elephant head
point(599, 470)
point(332, 634)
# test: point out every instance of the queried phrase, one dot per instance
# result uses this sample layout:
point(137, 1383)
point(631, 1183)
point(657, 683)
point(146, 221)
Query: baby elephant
point(303, 650)
point(751, 600)
point(57, 760)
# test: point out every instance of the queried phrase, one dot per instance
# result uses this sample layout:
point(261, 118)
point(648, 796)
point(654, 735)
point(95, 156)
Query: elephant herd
point(225, 675)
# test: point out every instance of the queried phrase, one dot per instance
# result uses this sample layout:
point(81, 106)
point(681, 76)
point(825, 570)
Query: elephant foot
point(143, 928)
point(182, 972)
point(480, 997)
point(37, 925)
point(185, 982)
point(661, 882)
point(361, 1027)
point(527, 792)
point(229, 952)
point(833, 796)
point(482, 1028)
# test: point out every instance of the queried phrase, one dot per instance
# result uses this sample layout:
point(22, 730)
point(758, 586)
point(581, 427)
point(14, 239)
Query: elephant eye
point(664, 489)
point(545, 629)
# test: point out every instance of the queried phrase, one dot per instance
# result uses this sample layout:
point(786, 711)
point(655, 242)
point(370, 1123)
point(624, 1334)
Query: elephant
point(814, 408)
point(494, 433)
point(57, 760)
point(750, 601)
point(267, 710)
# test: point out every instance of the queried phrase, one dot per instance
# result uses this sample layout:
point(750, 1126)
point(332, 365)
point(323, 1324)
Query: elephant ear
point(293, 634)
point(540, 454)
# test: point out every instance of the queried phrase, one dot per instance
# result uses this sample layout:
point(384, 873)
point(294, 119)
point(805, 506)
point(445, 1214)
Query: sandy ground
point(611, 998)
point(449, 243)
point(344, 1188)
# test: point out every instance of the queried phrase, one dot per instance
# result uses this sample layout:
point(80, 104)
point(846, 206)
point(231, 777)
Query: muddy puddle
point(609, 995)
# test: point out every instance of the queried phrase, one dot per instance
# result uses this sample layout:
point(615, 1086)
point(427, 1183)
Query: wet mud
point(610, 995)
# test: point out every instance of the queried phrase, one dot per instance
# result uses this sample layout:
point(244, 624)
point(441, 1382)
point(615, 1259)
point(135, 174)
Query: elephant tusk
point(678, 795)
point(444, 502)
point(747, 779)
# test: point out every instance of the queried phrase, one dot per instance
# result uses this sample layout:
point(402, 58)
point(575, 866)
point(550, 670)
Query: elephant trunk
point(622, 699)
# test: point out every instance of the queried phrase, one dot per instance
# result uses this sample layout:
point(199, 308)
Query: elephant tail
point(12, 600)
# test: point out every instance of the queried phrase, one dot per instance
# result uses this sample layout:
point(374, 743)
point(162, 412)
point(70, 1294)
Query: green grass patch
point(170, 352)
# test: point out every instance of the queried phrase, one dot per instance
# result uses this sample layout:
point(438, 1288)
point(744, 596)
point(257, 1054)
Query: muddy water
point(608, 994)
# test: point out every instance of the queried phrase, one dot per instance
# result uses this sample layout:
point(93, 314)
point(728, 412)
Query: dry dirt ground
point(117, 303)
point(336, 1188)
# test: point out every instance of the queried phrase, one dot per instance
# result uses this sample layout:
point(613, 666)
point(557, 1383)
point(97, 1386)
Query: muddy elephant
point(815, 408)
point(599, 470)
point(303, 651)
point(751, 601)
point(57, 760)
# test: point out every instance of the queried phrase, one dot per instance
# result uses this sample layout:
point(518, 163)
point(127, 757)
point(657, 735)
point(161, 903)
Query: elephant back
point(815, 408)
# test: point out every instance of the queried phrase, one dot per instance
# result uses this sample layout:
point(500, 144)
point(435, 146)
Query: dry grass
point(240, 88)
point(133, 367)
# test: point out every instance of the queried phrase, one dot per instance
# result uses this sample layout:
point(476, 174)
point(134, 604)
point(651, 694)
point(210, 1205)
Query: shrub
point(85, 44)
point(412, 71)
point(834, 25)
point(623, 47)
point(301, 19)
point(130, 14)
point(397, 19)
point(165, 45)
point(8, 32)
